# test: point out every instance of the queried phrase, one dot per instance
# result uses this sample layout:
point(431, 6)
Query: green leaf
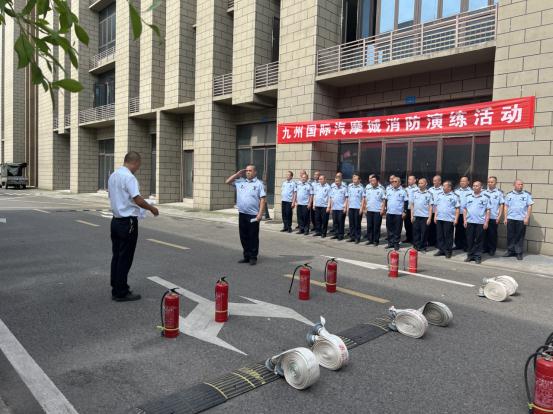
point(136, 22)
point(28, 7)
point(36, 74)
point(154, 5)
point(82, 35)
point(24, 51)
point(42, 6)
point(70, 85)
point(73, 58)
point(155, 29)
point(45, 85)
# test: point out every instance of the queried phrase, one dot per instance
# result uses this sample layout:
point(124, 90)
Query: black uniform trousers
point(249, 235)
point(407, 224)
point(490, 237)
point(420, 233)
point(287, 214)
point(124, 235)
point(321, 220)
point(338, 220)
point(393, 226)
point(312, 218)
point(444, 236)
point(374, 222)
point(354, 224)
point(516, 230)
point(431, 232)
point(303, 218)
point(475, 240)
point(460, 234)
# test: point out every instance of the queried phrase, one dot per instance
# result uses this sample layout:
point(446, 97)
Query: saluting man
point(374, 204)
point(435, 190)
point(354, 203)
point(410, 189)
point(125, 200)
point(476, 216)
point(497, 200)
point(337, 205)
point(288, 197)
point(421, 214)
point(462, 192)
point(304, 199)
point(395, 212)
point(250, 200)
point(446, 217)
point(518, 208)
point(321, 194)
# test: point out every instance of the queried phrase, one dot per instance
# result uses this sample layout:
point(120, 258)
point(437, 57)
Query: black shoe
point(306, 233)
point(478, 260)
point(389, 246)
point(244, 261)
point(448, 255)
point(519, 256)
point(289, 230)
point(376, 244)
point(509, 254)
point(350, 240)
point(369, 243)
point(253, 262)
point(357, 241)
point(317, 235)
point(299, 232)
point(439, 253)
point(340, 238)
point(469, 259)
point(334, 237)
point(129, 297)
point(283, 230)
point(323, 236)
point(491, 254)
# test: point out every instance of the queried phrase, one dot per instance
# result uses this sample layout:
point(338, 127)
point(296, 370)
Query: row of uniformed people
point(431, 215)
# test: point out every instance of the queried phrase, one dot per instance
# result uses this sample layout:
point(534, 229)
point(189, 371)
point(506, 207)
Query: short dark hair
point(131, 157)
point(291, 173)
point(448, 182)
point(374, 176)
point(414, 176)
point(492, 176)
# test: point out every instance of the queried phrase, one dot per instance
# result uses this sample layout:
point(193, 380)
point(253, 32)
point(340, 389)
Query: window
point(105, 162)
point(451, 7)
point(429, 10)
point(477, 4)
point(367, 18)
point(370, 159)
point(106, 32)
point(348, 159)
point(349, 20)
point(396, 160)
point(104, 89)
point(406, 13)
point(425, 154)
point(276, 38)
point(387, 16)
point(481, 159)
point(457, 155)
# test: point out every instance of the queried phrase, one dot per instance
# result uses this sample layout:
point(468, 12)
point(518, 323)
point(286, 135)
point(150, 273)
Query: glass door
point(105, 162)
point(188, 181)
point(423, 159)
point(396, 160)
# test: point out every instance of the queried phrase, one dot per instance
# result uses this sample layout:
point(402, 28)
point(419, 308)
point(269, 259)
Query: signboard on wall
point(484, 116)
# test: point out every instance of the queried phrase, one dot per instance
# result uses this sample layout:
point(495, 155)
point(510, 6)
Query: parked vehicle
point(11, 174)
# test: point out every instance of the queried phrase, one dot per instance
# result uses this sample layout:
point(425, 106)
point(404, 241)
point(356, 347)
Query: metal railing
point(134, 105)
point(222, 84)
point(55, 122)
point(266, 75)
point(230, 4)
point(67, 121)
point(465, 29)
point(98, 113)
point(102, 58)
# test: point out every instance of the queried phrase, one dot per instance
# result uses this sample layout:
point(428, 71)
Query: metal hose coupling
point(498, 288)
point(298, 366)
point(437, 313)
point(409, 322)
point(330, 350)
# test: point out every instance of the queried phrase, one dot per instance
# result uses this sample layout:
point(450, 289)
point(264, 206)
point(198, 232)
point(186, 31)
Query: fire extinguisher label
point(544, 392)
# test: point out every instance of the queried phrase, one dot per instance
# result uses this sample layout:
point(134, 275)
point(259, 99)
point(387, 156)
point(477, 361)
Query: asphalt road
point(108, 357)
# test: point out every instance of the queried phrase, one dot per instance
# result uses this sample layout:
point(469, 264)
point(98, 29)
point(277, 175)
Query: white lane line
point(87, 223)
point(41, 211)
point(3, 220)
point(374, 266)
point(41, 386)
point(176, 246)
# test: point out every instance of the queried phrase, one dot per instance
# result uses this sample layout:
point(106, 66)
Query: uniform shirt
point(396, 198)
point(122, 188)
point(321, 194)
point(410, 190)
point(445, 205)
point(288, 190)
point(338, 196)
point(435, 193)
point(248, 194)
point(476, 206)
point(375, 196)
point(463, 193)
point(496, 199)
point(303, 191)
point(419, 203)
point(355, 195)
point(517, 204)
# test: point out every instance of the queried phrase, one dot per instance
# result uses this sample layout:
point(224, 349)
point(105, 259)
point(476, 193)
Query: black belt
point(125, 218)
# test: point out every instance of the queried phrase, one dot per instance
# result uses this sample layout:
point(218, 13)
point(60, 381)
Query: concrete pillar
point(169, 158)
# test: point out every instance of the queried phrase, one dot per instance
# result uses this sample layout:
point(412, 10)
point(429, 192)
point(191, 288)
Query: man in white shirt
point(125, 200)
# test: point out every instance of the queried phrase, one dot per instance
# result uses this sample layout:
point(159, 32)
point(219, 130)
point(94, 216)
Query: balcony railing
point(55, 122)
point(465, 29)
point(222, 84)
point(96, 114)
point(67, 121)
point(266, 75)
point(134, 105)
point(102, 58)
point(230, 4)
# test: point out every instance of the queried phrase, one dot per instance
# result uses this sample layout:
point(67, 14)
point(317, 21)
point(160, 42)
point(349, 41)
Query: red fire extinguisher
point(331, 275)
point(305, 281)
point(393, 263)
point(543, 383)
point(221, 300)
point(169, 310)
point(413, 260)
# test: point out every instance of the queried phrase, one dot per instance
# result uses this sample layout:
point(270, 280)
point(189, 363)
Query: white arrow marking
point(200, 322)
point(3, 220)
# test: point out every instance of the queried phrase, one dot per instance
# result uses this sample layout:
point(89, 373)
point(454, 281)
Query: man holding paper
point(250, 201)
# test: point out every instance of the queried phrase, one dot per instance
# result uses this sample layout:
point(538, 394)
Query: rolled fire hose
point(330, 350)
point(437, 313)
point(298, 366)
point(409, 322)
point(498, 288)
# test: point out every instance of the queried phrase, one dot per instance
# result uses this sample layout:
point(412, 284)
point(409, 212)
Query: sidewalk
point(533, 263)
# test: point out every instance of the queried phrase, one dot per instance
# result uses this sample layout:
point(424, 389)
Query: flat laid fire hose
point(298, 366)
point(437, 313)
point(330, 350)
point(409, 322)
point(498, 288)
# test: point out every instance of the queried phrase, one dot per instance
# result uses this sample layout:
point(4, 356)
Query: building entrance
point(105, 162)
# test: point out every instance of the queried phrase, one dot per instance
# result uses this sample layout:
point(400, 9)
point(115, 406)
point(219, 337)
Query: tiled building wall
point(169, 157)
point(524, 67)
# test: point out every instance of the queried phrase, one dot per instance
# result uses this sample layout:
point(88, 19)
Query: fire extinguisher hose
point(161, 313)
point(499, 288)
point(409, 322)
point(545, 350)
point(330, 350)
point(294, 274)
point(298, 366)
point(331, 260)
point(437, 313)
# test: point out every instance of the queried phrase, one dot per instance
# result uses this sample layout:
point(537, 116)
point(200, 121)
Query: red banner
point(483, 116)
